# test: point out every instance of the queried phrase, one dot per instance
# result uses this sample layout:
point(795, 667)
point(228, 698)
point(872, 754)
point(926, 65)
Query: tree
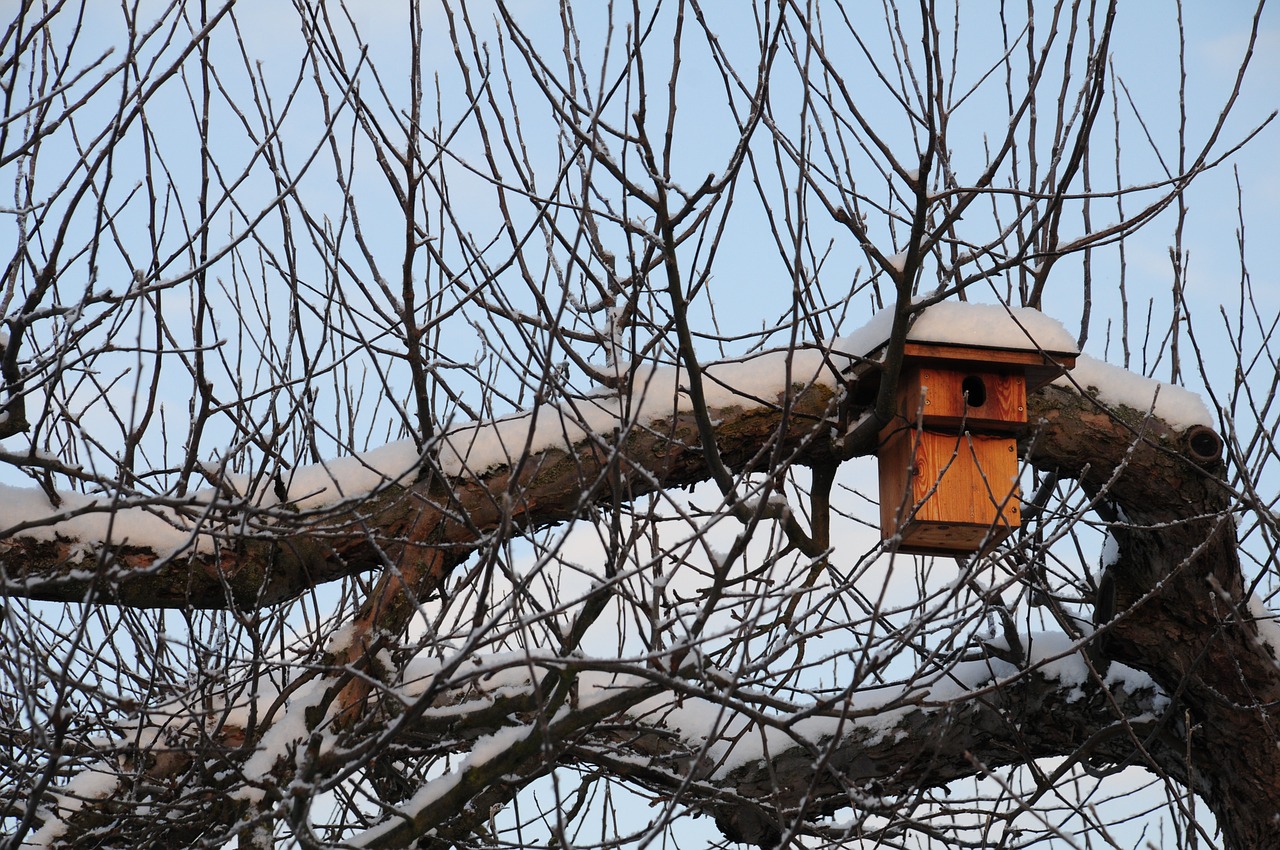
point(403, 465)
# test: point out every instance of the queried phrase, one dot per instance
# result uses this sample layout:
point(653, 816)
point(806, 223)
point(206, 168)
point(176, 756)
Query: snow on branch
point(359, 513)
point(750, 757)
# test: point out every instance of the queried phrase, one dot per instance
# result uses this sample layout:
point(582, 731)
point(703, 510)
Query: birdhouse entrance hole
point(975, 392)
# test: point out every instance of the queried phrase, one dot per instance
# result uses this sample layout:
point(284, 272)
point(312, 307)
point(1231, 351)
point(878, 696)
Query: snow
point(156, 527)
point(658, 392)
point(334, 480)
point(1054, 654)
point(728, 738)
point(1058, 658)
point(993, 326)
point(472, 449)
point(722, 736)
point(1114, 386)
point(1110, 550)
point(731, 738)
point(86, 786)
point(83, 517)
point(290, 726)
point(966, 677)
point(288, 730)
point(1268, 627)
point(1133, 681)
point(484, 749)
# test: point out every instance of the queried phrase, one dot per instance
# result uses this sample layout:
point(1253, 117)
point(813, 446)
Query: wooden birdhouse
point(949, 459)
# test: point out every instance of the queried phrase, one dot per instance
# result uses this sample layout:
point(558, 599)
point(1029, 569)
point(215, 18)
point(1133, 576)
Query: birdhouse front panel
point(947, 493)
point(947, 398)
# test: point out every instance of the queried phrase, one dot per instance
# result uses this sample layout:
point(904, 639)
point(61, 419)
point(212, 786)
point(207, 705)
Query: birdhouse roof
point(969, 334)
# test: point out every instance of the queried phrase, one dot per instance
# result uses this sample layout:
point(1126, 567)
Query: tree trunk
point(1179, 605)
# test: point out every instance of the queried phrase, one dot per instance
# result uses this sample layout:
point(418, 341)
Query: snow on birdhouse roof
point(963, 325)
point(967, 324)
point(991, 326)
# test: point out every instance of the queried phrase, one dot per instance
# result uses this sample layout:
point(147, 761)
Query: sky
point(750, 287)
point(753, 290)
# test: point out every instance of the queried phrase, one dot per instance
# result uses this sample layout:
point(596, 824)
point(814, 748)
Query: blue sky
point(749, 283)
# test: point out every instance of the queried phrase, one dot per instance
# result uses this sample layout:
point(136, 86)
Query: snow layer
point(484, 749)
point(90, 518)
point(659, 392)
point(993, 326)
point(334, 480)
point(1268, 623)
point(88, 785)
point(287, 732)
point(475, 448)
point(1114, 386)
point(727, 738)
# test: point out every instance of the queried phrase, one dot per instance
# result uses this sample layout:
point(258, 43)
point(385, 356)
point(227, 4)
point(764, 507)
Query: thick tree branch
point(1179, 586)
point(401, 526)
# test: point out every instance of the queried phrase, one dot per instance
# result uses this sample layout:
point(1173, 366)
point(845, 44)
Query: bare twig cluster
point(438, 426)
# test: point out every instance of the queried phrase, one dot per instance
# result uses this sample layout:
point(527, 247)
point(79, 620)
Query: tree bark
point(1179, 595)
point(1181, 602)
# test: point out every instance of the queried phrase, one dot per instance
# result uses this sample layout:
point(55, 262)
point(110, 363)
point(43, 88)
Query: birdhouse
point(949, 458)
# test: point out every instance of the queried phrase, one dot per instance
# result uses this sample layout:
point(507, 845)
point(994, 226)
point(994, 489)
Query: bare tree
point(442, 427)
